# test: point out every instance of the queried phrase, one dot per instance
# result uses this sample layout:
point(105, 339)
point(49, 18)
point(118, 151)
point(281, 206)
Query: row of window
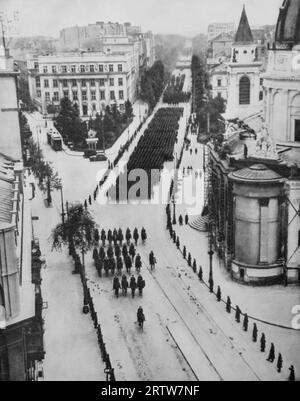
point(84, 95)
point(73, 82)
point(261, 82)
point(81, 68)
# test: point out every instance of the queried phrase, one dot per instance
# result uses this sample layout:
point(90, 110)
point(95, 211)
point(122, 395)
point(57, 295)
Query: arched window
point(245, 90)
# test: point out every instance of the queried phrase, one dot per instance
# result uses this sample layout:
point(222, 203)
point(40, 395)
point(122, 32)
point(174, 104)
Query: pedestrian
point(116, 286)
point(132, 251)
point(136, 236)
point(99, 267)
point(271, 356)
point(143, 235)
point(186, 219)
point(102, 253)
point(124, 251)
point(124, 284)
point(85, 204)
point(95, 254)
point(263, 343)
point(110, 252)
point(211, 285)
point(184, 252)
point(117, 250)
point(189, 260)
point(180, 220)
point(174, 237)
point(177, 243)
point(119, 265)
point(254, 333)
point(228, 305)
point(194, 266)
point(103, 237)
point(152, 260)
point(140, 284)
point(90, 199)
point(200, 274)
point(279, 363)
point(96, 236)
point(109, 236)
point(132, 286)
point(292, 374)
point(128, 236)
point(219, 294)
point(138, 262)
point(246, 322)
point(120, 236)
point(238, 314)
point(128, 264)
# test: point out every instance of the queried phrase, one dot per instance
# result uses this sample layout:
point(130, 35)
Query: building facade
point(216, 29)
point(21, 324)
point(252, 180)
point(91, 79)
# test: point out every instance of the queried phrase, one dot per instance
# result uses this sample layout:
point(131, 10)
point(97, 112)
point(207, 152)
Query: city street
point(189, 333)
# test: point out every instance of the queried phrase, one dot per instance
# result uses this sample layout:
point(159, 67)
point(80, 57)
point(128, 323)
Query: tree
point(77, 230)
point(128, 109)
point(50, 180)
point(69, 123)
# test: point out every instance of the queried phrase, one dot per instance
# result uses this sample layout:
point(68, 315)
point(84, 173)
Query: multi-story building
point(21, 324)
point(216, 29)
point(253, 178)
point(91, 79)
point(74, 37)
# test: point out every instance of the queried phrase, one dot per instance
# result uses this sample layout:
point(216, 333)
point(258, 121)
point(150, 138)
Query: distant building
point(216, 29)
point(21, 323)
point(91, 79)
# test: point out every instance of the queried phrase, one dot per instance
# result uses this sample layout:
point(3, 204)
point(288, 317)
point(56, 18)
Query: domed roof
point(288, 24)
point(256, 173)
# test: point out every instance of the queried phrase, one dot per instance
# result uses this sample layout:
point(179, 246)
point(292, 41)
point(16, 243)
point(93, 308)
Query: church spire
point(244, 33)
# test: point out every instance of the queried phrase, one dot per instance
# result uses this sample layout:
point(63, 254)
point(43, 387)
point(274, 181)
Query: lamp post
point(211, 253)
point(174, 210)
point(85, 308)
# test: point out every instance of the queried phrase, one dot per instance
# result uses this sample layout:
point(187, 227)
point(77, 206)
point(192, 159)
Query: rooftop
point(244, 33)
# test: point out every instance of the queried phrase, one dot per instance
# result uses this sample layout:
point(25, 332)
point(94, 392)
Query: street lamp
point(211, 253)
point(174, 210)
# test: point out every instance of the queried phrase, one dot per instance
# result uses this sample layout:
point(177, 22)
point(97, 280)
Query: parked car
point(99, 157)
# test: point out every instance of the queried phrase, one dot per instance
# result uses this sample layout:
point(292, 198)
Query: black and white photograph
point(149, 193)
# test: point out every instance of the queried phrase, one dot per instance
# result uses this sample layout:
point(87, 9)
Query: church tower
point(282, 79)
point(244, 69)
point(10, 141)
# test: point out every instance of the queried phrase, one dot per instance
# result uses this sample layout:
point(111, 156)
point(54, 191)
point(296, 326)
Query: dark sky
point(188, 17)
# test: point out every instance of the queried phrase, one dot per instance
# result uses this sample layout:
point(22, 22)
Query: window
point(261, 81)
point(75, 95)
point(74, 83)
point(244, 95)
point(36, 65)
point(120, 81)
point(112, 95)
point(83, 82)
point(45, 69)
point(84, 96)
point(55, 83)
point(297, 130)
point(219, 94)
point(66, 93)
point(38, 93)
point(93, 95)
point(93, 84)
point(111, 68)
point(111, 82)
point(65, 83)
point(73, 68)
point(94, 106)
point(46, 83)
point(102, 82)
point(121, 95)
point(82, 68)
point(219, 82)
point(64, 68)
point(47, 96)
point(92, 68)
point(245, 51)
point(38, 82)
point(100, 67)
point(102, 95)
point(84, 110)
point(120, 67)
point(261, 95)
point(56, 96)
point(54, 69)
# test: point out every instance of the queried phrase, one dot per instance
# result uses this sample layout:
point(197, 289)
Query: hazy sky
point(188, 17)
